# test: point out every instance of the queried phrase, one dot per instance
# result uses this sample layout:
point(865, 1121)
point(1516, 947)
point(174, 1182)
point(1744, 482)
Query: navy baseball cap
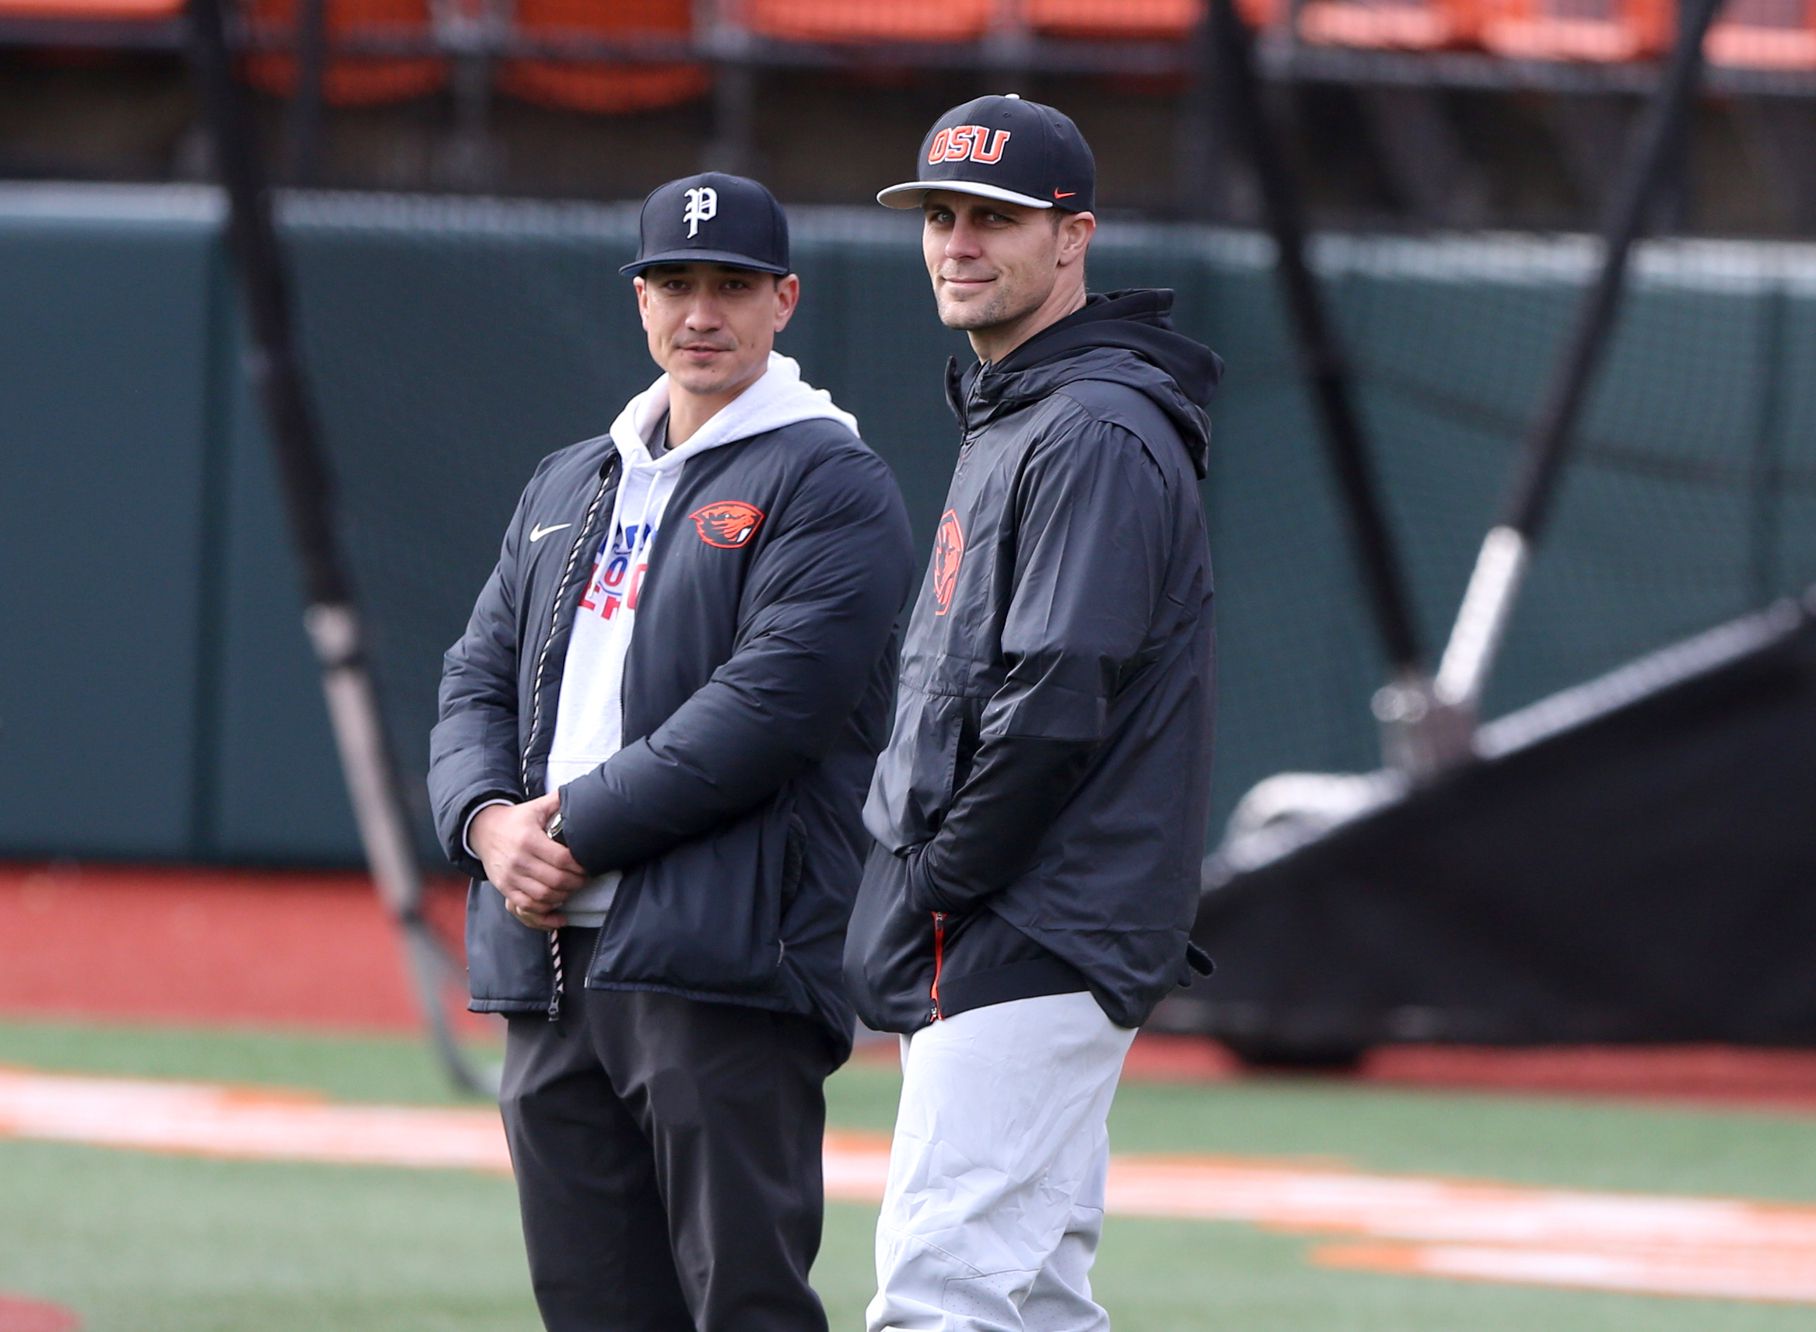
point(1001, 147)
point(712, 218)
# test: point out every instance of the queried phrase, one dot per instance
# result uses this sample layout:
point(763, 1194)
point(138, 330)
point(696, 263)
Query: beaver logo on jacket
point(948, 551)
point(727, 524)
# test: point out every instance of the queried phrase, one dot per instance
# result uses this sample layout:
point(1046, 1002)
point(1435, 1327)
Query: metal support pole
point(1507, 551)
point(306, 105)
point(332, 618)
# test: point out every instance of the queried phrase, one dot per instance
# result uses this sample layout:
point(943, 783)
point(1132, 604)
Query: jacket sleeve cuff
point(589, 827)
point(466, 826)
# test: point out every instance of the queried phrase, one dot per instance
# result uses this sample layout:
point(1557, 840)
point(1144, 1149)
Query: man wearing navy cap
point(1039, 813)
point(654, 742)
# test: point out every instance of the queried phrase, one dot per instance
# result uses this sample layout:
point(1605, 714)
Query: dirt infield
point(315, 950)
point(182, 945)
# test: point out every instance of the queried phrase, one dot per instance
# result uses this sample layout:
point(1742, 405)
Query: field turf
point(143, 1242)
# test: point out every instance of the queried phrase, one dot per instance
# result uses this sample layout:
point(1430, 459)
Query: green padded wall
point(157, 699)
point(104, 437)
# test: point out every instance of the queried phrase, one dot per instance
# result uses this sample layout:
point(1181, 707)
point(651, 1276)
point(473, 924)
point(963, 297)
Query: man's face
point(711, 327)
point(994, 265)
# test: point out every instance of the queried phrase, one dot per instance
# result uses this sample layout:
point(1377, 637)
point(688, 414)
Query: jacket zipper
point(939, 960)
point(939, 917)
point(965, 439)
point(558, 983)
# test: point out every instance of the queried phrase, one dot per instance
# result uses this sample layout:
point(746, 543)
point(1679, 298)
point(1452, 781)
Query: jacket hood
point(777, 398)
point(1125, 336)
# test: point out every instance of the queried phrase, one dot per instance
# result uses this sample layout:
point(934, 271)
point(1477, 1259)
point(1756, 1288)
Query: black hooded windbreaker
point(1040, 810)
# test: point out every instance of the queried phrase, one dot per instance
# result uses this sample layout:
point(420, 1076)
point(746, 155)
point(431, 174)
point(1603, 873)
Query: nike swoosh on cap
point(1064, 194)
point(539, 532)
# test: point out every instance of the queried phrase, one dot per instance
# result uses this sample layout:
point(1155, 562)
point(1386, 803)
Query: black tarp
point(1632, 861)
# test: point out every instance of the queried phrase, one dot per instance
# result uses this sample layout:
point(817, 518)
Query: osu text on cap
point(973, 143)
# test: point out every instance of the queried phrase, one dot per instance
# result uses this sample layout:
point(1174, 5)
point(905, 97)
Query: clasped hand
point(535, 874)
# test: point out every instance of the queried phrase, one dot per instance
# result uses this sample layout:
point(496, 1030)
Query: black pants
point(667, 1155)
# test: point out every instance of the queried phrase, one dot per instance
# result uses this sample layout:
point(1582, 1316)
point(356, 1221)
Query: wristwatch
point(556, 830)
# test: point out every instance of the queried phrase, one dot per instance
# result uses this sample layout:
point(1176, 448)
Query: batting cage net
point(452, 343)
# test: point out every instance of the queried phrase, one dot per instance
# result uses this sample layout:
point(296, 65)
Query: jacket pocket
point(507, 963)
point(888, 949)
point(918, 774)
point(707, 915)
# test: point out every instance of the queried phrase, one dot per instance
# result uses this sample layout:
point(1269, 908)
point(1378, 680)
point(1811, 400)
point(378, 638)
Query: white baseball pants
point(995, 1198)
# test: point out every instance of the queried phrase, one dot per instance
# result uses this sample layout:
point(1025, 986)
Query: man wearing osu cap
point(1040, 810)
point(654, 740)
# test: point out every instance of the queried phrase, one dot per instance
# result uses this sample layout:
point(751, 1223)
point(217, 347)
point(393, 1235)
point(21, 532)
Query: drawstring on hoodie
point(558, 986)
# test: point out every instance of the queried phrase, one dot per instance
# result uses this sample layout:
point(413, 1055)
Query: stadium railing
point(621, 83)
point(1134, 20)
point(1764, 34)
point(840, 21)
point(470, 72)
point(149, 25)
point(98, 11)
point(613, 56)
point(1401, 25)
point(1606, 31)
point(349, 78)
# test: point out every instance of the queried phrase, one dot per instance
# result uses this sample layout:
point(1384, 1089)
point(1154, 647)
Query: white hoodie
point(589, 715)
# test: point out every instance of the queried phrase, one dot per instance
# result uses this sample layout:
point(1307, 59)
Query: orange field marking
point(18, 1314)
point(1406, 1224)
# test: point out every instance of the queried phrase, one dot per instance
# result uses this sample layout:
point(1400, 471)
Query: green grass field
point(140, 1242)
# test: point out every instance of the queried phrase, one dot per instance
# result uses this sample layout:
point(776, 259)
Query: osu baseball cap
point(712, 218)
point(1001, 147)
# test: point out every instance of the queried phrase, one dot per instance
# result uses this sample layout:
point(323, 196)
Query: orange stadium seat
point(1592, 30)
point(858, 21)
point(602, 86)
point(1764, 34)
point(1132, 20)
point(350, 80)
point(1402, 25)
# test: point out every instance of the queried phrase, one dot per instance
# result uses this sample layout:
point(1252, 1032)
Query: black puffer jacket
point(756, 694)
point(1040, 810)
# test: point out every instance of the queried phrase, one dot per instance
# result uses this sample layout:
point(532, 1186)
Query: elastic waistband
point(1027, 979)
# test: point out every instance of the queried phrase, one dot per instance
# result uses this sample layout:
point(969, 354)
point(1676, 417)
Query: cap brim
point(909, 193)
point(725, 257)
